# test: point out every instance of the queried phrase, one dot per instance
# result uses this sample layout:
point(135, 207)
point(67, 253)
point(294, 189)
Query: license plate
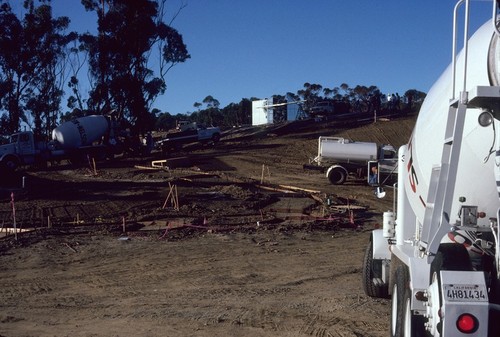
point(465, 292)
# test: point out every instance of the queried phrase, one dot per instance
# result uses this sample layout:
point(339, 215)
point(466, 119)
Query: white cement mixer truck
point(340, 158)
point(73, 140)
point(438, 254)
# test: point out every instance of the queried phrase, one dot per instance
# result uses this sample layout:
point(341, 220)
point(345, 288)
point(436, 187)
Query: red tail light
point(467, 323)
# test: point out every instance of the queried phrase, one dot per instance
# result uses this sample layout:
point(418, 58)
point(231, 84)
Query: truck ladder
point(436, 221)
point(442, 183)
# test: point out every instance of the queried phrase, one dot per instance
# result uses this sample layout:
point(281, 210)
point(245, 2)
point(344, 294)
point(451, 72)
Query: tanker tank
point(340, 149)
point(476, 167)
point(81, 131)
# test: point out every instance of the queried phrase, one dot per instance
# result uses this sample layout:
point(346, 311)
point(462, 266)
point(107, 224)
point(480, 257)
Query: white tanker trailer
point(438, 254)
point(73, 140)
point(340, 158)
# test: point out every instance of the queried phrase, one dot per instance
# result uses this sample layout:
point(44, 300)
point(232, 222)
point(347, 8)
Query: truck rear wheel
point(215, 138)
point(403, 322)
point(398, 303)
point(10, 162)
point(370, 269)
point(337, 175)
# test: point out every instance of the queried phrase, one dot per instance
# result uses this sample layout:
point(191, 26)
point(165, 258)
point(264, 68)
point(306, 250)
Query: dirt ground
point(232, 240)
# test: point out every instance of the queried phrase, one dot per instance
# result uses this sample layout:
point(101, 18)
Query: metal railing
point(494, 20)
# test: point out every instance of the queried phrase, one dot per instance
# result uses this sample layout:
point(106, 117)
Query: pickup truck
point(322, 109)
point(199, 133)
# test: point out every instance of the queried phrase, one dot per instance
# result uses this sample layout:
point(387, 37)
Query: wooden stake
point(172, 196)
point(176, 199)
point(72, 249)
point(168, 196)
point(264, 168)
point(13, 213)
point(95, 168)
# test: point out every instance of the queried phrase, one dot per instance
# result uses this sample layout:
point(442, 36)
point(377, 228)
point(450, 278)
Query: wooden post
point(176, 199)
point(13, 213)
point(95, 168)
point(264, 169)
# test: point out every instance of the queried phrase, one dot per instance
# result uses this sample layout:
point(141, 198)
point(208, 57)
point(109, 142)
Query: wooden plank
point(294, 188)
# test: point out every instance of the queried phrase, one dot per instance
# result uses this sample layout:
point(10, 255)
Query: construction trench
point(186, 201)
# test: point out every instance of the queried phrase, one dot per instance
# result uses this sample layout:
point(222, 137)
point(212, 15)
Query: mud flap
point(376, 265)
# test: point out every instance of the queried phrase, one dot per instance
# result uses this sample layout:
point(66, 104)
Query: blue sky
point(257, 48)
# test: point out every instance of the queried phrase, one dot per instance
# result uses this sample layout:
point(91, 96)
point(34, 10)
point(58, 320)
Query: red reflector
point(467, 323)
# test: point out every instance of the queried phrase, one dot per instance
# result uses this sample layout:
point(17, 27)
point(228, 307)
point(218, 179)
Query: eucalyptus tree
point(231, 115)
point(332, 93)
point(414, 99)
point(211, 102)
point(212, 114)
point(279, 111)
point(310, 94)
point(346, 89)
point(32, 54)
point(119, 57)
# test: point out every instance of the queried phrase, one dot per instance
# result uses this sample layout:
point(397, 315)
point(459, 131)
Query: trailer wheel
point(370, 270)
point(337, 175)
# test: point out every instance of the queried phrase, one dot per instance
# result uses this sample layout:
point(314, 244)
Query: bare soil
point(231, 240)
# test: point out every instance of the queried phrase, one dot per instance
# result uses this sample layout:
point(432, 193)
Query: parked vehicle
point(341, 158)
point(438, 254)
point(322, 109)
point(73, 140)
point(189, 133)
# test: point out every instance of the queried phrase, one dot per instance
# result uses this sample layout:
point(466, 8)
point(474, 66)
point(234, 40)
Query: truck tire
point(451, 256)
point(494, 296)
point(403, 322)
point(337, 175)
point(369, 272)
point(215, 138)
point(10, 162)
point(77, 159)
